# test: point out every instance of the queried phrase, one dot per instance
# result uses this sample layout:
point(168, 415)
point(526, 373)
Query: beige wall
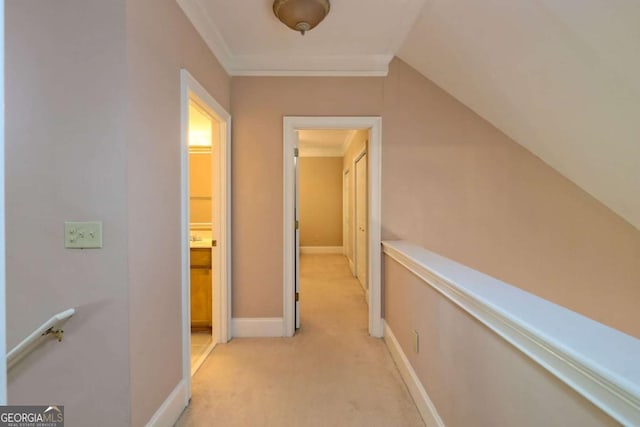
point(457, 186)
point(66, 160)
point(200, 187)
point(472, 375)
point(93, 133)
point(258, 105)
point(320, 201)
point(155, 56)
point(357, 145)
point(450, 182)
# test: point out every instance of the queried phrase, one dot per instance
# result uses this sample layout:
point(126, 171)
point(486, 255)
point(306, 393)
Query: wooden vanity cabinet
point(201, 288)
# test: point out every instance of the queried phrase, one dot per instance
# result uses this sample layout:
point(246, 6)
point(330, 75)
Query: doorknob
point(214, 243)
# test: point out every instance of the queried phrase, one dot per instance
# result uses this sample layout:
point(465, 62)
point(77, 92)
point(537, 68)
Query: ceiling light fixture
point(301, 15)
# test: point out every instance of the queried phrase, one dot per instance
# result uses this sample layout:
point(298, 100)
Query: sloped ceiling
point(562, 78)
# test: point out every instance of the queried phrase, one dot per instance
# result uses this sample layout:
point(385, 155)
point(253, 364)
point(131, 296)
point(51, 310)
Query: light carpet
point(332, 373)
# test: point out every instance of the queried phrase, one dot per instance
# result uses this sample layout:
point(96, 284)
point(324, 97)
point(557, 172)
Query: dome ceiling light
point(301, 15)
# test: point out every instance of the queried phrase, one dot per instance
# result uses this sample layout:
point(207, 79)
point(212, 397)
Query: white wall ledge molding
point(600, 363)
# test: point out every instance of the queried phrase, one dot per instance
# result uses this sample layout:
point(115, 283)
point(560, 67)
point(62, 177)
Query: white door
point(296, 217)
point(361, 254)
point(347, 233)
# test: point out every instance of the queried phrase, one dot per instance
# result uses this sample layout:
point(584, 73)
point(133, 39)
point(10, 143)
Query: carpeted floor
point(330, 374)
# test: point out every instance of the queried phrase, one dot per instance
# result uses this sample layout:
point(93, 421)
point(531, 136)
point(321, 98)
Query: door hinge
point(295, 152)
point(297, 224)
point(297, 296)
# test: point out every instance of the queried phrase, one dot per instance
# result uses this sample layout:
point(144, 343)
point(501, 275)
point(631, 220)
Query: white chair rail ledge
point(600, 363)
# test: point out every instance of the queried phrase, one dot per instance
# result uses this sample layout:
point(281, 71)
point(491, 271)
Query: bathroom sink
point(200, 239)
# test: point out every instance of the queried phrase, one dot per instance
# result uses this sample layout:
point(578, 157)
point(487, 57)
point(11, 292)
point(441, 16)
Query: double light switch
point(83, 235)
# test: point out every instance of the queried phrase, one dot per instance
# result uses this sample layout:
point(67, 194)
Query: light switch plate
point(83, 235)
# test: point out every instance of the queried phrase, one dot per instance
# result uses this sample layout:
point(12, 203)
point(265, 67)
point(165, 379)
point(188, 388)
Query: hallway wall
point(160, 41)
point(93, 133)
point(258, 106)
point(450, 182)
point(472, 375)
point(456, 185)
point(320, 201)
point(66, 160)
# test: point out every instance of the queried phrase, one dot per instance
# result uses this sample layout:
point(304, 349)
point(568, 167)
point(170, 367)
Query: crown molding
point(282, 65)
point(312, 65)
point(205, 26)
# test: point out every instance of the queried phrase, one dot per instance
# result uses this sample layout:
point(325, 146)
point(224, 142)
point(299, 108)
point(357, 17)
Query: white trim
point(322, 250)
point(221, 295)
point(289, 65)
point(311, 65)
point(597, 361)
point(290, 126)
point(423, 402)
point(264, 327)
point(171, 409)
point(208, 31)
point(3, 318)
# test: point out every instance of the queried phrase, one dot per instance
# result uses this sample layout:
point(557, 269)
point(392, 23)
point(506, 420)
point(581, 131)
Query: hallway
point(330, 374)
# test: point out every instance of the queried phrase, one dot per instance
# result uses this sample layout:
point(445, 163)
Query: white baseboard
point(321, 250)
point(425, 406)
point(257, 327)
point(352, 267)
point(171, 409)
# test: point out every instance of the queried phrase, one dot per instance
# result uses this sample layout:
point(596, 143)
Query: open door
point(362, 241)
point(296, 216)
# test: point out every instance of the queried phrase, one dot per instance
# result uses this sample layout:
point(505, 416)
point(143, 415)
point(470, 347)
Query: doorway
point(291, 254)
point(205, 213)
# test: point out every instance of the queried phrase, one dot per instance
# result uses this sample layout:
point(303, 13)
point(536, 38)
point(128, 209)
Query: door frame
point(291, 124)
point(354, 225)
point(221, 281)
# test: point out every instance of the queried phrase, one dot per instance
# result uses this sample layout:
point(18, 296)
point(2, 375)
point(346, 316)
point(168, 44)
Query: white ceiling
point(324, 143)
point(562, 78)
point(358, 37)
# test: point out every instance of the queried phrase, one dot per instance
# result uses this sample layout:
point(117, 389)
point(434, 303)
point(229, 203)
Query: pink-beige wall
point(93, 133)
point(258, 106)
point(66, 160)
point(451, 182)
point(473, 376)
point(455, 185)
point(320, 201)
point(160, 41)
